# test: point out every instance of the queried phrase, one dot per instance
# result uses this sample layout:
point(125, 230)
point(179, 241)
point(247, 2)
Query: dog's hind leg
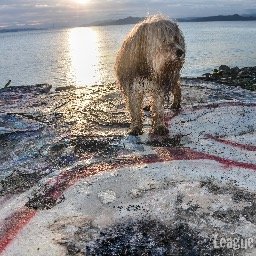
point(134, 102)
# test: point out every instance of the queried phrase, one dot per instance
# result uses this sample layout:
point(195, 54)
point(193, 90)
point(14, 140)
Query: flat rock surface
point(73, 183)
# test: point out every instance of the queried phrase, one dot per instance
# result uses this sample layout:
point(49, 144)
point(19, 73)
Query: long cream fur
point(150, 61)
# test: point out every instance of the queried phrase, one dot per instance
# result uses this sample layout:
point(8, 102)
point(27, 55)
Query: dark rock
point(234, 70)
point(67, 160)
point(243, 74)
point(162, 141)
point(244, 77)
point(13, 124)
point(229, 216)
point(64, 88)
point(44, 200)
point(207, 75)
point(38, 88)
point(18, 182)
point(151, 237)
point(84, 144)
point(224, 68)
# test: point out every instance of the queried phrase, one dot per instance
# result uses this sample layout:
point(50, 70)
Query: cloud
point(64, 12)
point(41, 5)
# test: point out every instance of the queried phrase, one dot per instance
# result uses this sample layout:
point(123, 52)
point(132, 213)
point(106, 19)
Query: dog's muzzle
point(180, 53)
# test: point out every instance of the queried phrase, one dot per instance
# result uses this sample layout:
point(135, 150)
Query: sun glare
point(84, 55)
point(82, 1)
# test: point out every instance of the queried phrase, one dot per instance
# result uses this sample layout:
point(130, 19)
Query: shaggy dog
point(150, 61)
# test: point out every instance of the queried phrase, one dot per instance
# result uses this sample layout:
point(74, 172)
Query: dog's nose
point(179, 53)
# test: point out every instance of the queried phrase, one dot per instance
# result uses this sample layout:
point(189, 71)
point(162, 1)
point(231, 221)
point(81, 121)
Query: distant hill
point(128, 20)
point(6, 30)
point(134, 20)
point(235, 17)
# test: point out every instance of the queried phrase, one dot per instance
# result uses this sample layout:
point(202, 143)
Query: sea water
point(86, 55)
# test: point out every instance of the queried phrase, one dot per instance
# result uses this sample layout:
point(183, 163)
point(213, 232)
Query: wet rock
point(18, 182)
point(64, 88)
point(44, 201)
point(67, 160)
point(84, 144)
point(13, 124)
point(60, 154)
point(242, 74)
point(35, 137)
point(234, 71)
point(161, 141)
point(224, 68)
point(38, 88)
point(62, 143)
point(207, 75)
point(244, 77)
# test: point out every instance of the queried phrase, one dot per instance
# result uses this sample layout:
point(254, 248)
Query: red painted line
point(53, 192)
point(13, 225)
point(66, 179)
point(188, 154)
point(69, 178)
point(232, 143)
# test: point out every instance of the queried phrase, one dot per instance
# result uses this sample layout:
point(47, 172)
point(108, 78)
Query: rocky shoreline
point(244, 77)
point(71, 179)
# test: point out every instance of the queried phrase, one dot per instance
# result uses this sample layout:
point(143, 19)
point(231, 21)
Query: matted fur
point(150, 61)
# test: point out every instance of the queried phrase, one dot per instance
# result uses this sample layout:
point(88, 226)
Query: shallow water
point(85, 56)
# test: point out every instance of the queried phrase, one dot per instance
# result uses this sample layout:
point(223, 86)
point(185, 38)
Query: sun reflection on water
point(84, 56)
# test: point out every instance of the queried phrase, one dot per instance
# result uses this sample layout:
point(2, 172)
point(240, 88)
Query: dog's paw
point(160, 130)
point(175, 106)
point(135, 131)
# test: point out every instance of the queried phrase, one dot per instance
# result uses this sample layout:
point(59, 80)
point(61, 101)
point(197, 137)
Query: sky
point(48, 13)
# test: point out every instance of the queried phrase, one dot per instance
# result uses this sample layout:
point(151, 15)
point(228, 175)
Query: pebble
point(107, 197)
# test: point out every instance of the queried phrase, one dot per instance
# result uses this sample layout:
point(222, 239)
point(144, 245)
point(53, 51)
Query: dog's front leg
point(134, 102)
point(159, 127)
point(176, 91)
